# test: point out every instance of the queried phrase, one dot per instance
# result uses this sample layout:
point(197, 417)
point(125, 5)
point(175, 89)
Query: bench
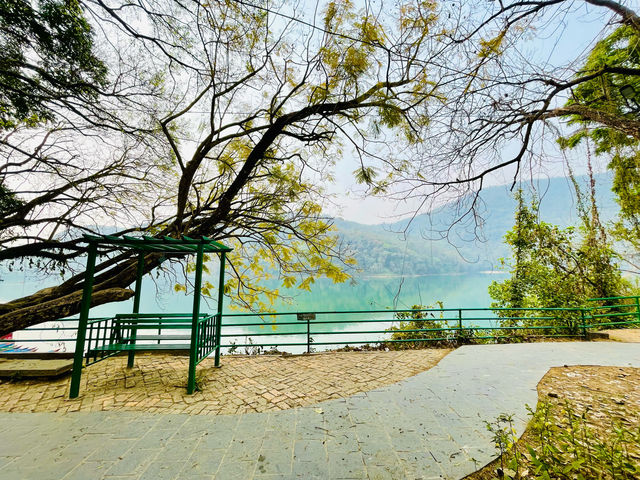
point(131, 332)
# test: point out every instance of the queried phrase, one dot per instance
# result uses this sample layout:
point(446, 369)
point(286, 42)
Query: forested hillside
point(416, 247)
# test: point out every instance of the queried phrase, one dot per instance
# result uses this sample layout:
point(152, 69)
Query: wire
point(335, 34)
point(313, 26)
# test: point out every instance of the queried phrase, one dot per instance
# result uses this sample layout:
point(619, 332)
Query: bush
point(425, 327)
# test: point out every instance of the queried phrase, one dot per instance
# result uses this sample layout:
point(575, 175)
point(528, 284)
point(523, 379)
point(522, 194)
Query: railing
point(57, 336)
point(307, 331)
point(615, 311)
point(99, 332)
point(206, 343)
point(388, 327)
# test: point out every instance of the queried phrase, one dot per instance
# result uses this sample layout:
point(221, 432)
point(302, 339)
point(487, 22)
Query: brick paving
point(428, 426)
point(157, 383)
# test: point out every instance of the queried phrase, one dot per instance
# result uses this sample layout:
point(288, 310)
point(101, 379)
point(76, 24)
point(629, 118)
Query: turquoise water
point(370, 293)
point(374, 293)
point(364, 293)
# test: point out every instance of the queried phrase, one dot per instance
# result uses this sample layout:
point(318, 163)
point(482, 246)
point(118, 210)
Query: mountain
point(416, 246)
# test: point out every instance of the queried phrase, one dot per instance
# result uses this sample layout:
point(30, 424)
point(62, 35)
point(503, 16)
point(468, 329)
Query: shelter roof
point(158, 244)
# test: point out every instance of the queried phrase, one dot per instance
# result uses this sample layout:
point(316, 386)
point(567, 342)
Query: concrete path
point(428, 426)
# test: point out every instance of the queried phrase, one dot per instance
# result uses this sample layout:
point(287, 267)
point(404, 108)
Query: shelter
point(104, 337)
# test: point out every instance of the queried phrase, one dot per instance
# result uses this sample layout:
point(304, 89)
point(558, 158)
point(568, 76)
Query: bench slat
point(159, 337)
point(143, 316)
point(146, 321)
point(147, 326)
point(117, 347)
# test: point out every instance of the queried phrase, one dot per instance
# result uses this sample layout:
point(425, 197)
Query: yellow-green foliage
point(419, 329)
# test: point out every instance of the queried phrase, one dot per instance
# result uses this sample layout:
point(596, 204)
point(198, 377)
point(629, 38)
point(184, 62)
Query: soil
point(606, 394)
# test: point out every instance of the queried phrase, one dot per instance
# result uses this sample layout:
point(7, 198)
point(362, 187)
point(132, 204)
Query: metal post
point(197, 285)
point(218, 340)
point(584, 326)
point(136, 307)
point(308, 333)
point(82, 321)
point(638, 309)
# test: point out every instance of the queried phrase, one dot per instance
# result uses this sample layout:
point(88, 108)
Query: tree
point(555, 267)
point(47, 61)
point(502, 110)
point(249, 107)
point(604, 96)
point(68, 152)
point(229, 121)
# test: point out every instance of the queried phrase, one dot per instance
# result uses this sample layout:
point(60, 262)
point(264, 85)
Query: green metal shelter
point(100, 338)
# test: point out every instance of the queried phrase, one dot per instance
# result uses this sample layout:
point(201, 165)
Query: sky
point(562, 42)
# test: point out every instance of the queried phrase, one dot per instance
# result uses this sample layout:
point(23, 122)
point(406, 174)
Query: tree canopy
point(225, 119)
point(47, 61)
point(243, 112)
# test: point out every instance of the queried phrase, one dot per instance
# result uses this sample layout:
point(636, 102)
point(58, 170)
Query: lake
point(363, 293)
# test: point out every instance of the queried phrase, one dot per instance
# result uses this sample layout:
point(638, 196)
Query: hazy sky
point(559, 43)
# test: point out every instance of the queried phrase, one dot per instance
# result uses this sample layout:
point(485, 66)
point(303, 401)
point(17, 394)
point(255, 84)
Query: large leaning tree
point(220, 119)
point(224, 118)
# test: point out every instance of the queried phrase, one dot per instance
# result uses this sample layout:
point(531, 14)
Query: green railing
point(441, 325)
point(306, 331)
point(615, 311)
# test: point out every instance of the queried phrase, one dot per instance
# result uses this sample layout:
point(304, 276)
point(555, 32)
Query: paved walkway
point(428, 426)
point(257, 383)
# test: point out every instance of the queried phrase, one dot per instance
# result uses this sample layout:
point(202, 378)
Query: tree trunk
point(57, 308)
point(64, 300)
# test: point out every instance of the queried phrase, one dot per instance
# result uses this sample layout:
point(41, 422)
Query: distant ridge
point(406, 247)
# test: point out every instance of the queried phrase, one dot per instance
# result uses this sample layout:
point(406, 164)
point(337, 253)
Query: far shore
point(451, 274)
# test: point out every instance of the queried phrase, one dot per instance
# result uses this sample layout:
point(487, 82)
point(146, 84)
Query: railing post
point(308, 333)
point(459, 323)
point(136, 308)
point(218, 326)
point(197, 286)
point(584, 326)
point(637, 309)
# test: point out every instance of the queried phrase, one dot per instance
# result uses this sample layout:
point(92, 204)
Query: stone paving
point(425, 427)
point(244, 384)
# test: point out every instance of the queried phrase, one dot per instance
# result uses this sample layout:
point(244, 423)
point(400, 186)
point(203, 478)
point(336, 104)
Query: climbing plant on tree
point(619, 138)
point(553, 267)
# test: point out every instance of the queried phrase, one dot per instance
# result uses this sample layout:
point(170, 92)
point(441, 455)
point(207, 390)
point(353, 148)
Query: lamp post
point(630, 97)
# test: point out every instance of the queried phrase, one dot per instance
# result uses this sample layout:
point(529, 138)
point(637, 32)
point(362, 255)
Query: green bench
point(139, 332)
point(125, 333)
